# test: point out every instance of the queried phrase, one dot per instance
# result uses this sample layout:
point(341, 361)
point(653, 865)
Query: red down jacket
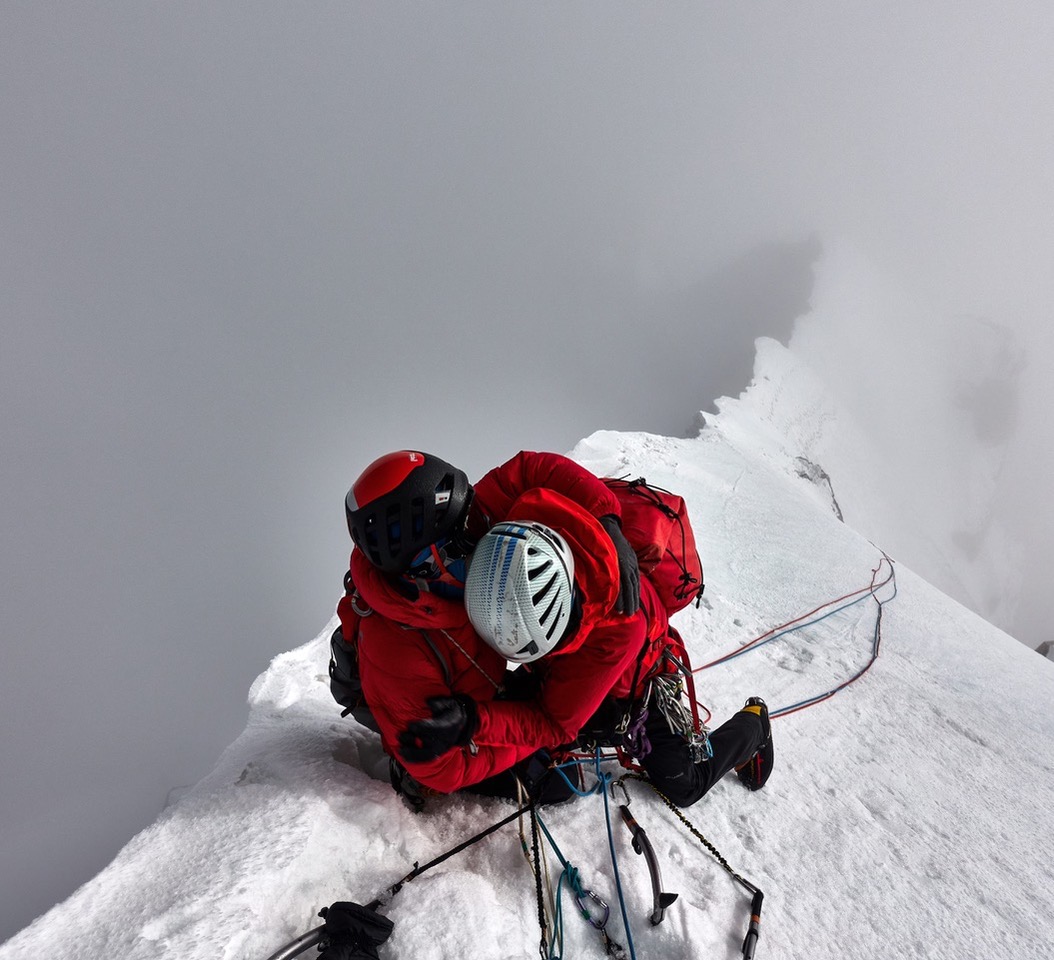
point(414, 648)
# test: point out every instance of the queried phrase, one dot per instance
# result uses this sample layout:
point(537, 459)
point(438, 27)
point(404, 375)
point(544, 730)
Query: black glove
point(353, 932)
point(628, 600)
point(454, 721)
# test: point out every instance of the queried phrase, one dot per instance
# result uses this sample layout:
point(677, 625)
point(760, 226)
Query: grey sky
point(246, 248)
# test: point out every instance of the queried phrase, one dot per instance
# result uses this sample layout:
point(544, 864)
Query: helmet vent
point(537, 571)
point(391, 521)
point(417, 517)
point(545, 617)
point(546, 587)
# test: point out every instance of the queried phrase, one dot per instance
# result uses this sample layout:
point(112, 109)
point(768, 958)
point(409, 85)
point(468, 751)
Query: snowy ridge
point(908, 816)
point(911, 413)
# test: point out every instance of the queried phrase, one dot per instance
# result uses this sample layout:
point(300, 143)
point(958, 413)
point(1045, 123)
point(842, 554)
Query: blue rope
point(876, 640)
point(605, 779)
point(800, 626)
point(581, 793)
point(574, 881)
point(750, 648)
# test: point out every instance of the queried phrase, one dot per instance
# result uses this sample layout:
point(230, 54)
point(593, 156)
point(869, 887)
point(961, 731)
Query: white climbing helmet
point(520, 589)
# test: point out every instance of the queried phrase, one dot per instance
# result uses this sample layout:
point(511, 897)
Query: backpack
point(344, 682)
point(656, 524)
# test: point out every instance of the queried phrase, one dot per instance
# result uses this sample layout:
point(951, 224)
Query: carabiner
point(625, 792)
point(600, 925)
point(359, 605)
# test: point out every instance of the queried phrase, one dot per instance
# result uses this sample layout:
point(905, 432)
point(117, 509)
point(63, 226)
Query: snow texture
point(908, 816)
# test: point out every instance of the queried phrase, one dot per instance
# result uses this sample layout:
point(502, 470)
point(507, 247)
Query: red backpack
point(656, 524)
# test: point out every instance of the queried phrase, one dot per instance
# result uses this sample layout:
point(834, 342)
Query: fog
point(244, 249)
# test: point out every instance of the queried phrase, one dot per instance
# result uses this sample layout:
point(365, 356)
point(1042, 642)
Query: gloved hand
point(628, 600)
point(453, 722)
point(353, 932)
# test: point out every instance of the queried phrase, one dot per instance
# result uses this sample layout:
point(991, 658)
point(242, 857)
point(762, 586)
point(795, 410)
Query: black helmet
point(403, 502)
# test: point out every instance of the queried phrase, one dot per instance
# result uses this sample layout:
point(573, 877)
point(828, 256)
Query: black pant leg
point(670, 766)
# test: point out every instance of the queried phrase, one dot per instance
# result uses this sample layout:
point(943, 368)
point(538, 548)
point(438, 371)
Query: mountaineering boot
point(756, 770)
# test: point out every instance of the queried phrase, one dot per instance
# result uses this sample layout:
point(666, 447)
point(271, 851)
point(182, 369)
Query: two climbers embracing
point(489, 631)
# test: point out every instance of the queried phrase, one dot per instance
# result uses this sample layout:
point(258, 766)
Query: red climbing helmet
point(404, 502)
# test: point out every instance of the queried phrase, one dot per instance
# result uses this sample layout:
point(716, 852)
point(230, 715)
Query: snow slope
point(909, 816)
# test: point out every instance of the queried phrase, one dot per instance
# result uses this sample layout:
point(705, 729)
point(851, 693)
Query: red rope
point(871, 588)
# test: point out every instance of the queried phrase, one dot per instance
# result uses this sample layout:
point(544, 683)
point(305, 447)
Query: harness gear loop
point(667, 692)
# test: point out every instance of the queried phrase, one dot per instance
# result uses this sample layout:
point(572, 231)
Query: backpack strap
point(447, 675)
